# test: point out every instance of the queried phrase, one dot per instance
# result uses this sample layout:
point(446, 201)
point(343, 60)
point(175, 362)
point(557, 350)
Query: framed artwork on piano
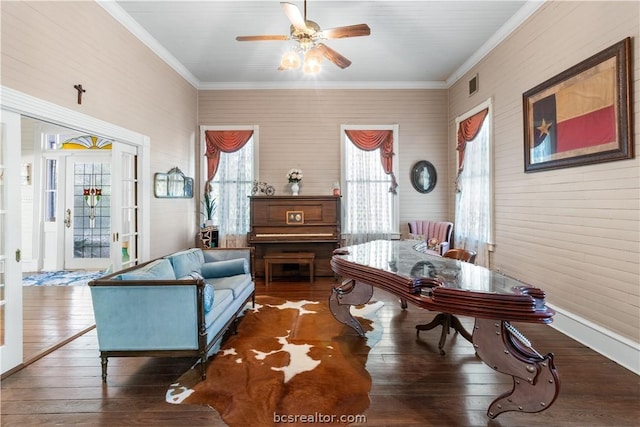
point(295, 217)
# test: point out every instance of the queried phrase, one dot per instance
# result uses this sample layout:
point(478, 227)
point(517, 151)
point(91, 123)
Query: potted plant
point(209, 206)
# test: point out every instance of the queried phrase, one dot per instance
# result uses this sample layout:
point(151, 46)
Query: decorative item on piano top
point(263, 187)
point(336, 188)
point(294, 176)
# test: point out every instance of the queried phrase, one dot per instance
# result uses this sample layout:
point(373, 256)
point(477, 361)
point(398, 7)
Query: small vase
point(295, 188)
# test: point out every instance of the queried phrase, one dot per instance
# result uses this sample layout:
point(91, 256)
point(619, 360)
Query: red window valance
point(225, 141)
point(467, 130)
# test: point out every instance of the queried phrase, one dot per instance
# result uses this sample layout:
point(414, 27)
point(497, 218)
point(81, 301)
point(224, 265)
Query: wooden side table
point(300, 258)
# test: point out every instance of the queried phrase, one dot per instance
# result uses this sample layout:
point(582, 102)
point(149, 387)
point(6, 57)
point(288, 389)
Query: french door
point(10, 270)
point(136, 154)
point(101, 209)
point(87, 213)
point(125, 207)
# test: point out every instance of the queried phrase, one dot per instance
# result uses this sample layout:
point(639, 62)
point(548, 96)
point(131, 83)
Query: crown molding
point(359, 85)
point(120, 15)
point(498, 37)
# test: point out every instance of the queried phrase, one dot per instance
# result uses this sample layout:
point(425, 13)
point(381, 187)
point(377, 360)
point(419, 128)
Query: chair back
point(442, 231)
point(461, 254)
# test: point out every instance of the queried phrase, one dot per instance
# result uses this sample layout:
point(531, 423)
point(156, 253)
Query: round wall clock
point(423, 176)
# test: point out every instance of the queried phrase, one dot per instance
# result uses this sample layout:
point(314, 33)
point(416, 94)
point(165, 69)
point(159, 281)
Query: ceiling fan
point(309, 36)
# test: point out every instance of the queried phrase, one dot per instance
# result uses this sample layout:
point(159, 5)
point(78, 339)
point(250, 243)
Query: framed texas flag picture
point(583, 115)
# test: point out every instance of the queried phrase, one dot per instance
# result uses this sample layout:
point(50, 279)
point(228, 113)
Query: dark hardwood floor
point(53, 315)
point(412, 384)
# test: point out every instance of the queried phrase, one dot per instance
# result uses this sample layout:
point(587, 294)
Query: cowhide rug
point(289, 359)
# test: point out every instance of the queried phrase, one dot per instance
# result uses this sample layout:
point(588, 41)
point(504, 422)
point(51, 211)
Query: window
point(474, 193)
point(51, 180)
point(370, 207)
point(51, 190)
point(231, 187)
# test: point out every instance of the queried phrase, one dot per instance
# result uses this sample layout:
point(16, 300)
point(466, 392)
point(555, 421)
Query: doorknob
point(67, 218)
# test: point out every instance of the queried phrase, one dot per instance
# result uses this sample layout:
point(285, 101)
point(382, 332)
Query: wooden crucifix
point(80, 92)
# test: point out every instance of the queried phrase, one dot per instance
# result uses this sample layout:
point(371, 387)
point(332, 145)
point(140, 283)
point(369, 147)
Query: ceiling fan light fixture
point(308, 36)
point(312, 61)
point(290, 60)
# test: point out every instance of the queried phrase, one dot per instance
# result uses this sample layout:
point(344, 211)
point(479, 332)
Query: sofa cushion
point(184, 262)
point(232, 267)
point(159, 269)
point(236, 284)
point(221, 300)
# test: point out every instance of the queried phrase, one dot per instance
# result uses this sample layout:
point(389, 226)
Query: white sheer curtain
point(368, 204)
point(232, 187)
point(472, 229)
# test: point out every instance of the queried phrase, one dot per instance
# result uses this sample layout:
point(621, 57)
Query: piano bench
point(288, 258)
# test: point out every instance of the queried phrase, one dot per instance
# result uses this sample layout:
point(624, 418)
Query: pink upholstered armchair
point(438, 232)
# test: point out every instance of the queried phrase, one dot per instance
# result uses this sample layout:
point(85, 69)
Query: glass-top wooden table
point(445, 285)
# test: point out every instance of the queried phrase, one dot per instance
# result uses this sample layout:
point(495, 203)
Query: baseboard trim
point(29, 265)
point(621, 350)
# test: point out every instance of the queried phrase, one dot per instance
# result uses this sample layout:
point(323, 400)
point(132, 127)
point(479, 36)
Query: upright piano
point(295, 224)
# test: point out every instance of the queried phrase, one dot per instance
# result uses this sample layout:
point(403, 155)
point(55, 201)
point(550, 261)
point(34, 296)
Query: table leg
point(447, 321)
point(535, 381)
point(344, 296)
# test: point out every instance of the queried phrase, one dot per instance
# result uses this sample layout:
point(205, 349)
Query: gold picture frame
point(295, 217)
point(583, 115)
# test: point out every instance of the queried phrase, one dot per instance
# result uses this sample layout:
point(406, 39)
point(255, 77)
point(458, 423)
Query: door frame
point(14, 101)
point(27, 105)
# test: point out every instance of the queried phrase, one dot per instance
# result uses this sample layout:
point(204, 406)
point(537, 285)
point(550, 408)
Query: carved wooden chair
point(447, 320)
point(462, 255)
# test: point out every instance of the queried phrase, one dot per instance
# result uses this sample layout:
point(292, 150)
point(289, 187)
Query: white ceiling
point(413, 44)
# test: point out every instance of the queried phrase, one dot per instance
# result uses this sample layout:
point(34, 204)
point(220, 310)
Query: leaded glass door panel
point(87, 214)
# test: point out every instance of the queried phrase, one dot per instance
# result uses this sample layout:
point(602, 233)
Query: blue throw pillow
point(208, 290)
point(208, 297)
point(231, 267)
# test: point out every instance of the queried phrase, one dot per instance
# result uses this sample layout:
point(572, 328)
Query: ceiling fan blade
point(333, 56)
point(348, 31)
point(259, 38)
point(294, 15)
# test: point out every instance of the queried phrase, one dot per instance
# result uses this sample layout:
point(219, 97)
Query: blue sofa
point(179, 305)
